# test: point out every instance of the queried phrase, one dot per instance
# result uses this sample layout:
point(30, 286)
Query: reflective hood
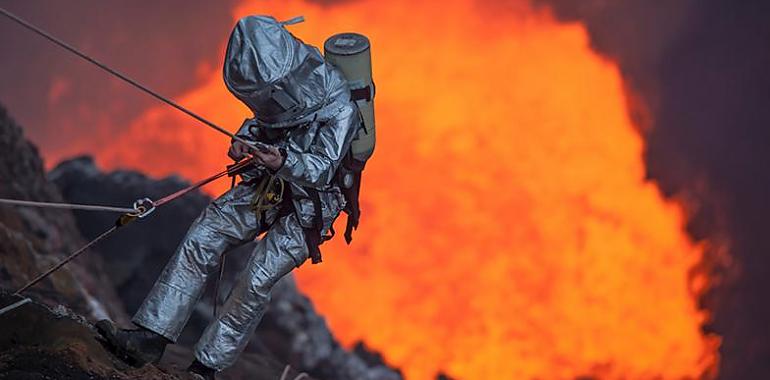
point(276, 75)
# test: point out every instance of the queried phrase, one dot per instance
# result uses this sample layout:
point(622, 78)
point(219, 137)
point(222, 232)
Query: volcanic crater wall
point(696, 73)
point(291, 331)
point(32, 240)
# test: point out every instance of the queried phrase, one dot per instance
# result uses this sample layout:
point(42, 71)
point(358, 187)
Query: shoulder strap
point(352, 206)
point(313, 234)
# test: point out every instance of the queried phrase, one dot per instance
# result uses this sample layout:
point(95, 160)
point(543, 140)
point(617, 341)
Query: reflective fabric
point(274, 256)
point(261, 55)
point(268, 69)
point(225, 223)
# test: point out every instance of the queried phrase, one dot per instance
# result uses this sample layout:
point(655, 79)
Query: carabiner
point(144, 207)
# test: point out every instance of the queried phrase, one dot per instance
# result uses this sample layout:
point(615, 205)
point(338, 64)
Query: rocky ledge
point(46, 340)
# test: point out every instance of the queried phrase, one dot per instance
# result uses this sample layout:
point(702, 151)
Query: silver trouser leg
point(226, 222)
point(281, 250)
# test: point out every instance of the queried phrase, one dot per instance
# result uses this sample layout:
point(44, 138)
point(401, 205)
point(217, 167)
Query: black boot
point(197, 369)
point(135, 347)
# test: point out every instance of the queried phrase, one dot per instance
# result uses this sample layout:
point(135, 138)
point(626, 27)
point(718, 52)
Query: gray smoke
point(702, 68)
point(62, 99)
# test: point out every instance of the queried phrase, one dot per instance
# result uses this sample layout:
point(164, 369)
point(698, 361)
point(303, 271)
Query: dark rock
point(33, 239)
point(134, 257)
point(37, 342)
point(57, 342)
point(371, 358)
point(298, 335)
point(291, 331)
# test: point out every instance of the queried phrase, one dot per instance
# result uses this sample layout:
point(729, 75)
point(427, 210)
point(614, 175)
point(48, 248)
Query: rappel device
point(351, 54)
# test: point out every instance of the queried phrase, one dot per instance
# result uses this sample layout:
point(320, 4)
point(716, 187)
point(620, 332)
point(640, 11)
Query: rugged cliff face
point(32, 240)
point(38, 342)
point(134, 257)
point(48, 340)
point(291, 331)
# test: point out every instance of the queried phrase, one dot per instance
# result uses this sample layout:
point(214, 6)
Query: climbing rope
point(285, 374)
point(68, 206)
point(125, 78)
point(66, 260)
point(142, 208)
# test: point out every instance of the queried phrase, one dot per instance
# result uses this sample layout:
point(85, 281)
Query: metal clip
point(144, 207)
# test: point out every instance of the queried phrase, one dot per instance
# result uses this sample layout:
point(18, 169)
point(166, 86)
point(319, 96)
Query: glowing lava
point(508, 231)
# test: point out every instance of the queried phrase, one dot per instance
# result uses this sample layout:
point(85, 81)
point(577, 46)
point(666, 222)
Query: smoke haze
point(70, 106)
point(697, 75)
point(702, 72)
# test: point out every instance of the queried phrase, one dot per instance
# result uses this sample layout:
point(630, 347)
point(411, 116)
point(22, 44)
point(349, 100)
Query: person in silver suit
point(302, 109)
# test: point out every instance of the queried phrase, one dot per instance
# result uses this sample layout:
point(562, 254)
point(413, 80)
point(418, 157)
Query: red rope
point(201, 183)
point(131, 217)
point(65, 261)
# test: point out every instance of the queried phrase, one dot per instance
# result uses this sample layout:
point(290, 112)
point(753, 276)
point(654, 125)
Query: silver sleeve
point(316, 167)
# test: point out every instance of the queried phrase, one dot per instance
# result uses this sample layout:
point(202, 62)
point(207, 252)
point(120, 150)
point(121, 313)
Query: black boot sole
point(107, 330)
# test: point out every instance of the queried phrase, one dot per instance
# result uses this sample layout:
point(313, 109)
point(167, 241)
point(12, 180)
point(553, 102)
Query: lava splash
point(508, 230)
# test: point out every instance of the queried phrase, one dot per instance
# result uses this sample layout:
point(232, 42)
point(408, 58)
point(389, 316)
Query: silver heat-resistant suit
point(289, 86)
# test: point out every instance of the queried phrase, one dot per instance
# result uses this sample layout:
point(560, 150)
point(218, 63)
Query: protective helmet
point(275, 74)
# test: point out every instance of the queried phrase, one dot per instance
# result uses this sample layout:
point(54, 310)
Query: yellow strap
point(269, 193)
